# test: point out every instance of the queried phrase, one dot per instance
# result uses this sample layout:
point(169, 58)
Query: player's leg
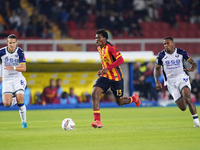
point(181, 103)
point(19, 86)
point(100, 86)
point(97, 91)
point(22, 107)
point(7, 91)
point(186, 95)
point(7, 99)
point(117, 88)
point(128, 100)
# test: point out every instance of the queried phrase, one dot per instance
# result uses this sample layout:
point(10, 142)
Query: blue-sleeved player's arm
point(187, 57)
point(22, 59)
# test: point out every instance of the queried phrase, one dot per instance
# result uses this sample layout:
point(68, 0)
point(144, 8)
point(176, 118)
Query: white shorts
point(176, 86)
point(13, 86)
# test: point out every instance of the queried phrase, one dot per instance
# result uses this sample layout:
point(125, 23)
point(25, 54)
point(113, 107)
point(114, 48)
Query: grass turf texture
point(124, 128)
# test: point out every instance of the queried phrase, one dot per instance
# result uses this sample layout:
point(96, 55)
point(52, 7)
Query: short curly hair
point(103, 32)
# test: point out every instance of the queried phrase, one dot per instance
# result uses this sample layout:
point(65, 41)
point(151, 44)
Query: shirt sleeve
point(158, 61)
point(114, 51)
point(117, 55)
point(186, 56)
point(21, 56)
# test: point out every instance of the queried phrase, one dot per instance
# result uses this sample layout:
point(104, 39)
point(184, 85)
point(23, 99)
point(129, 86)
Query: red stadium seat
point(147, 33)
point(82, 34)
point(155, 34)
point(90, 25)
point(59, 48)
point(182, 33)
point(192, 26)
point(91, 47)
point(31, 47)
point(183, 26)
point(155, 25)
point(145, 25)
point(125, 34)
point(92, 17)
point(72, 25)
point(164, 26)
point(73, 34)
point(90, 33)
point(190, 33)
point(173, 33)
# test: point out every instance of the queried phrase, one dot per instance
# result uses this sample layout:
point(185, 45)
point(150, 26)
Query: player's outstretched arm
point(21, 68)
point(156, 75)
point(194, 65)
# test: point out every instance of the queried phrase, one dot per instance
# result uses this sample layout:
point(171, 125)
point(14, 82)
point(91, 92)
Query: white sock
point(22, 113)
point(14, 101)
point(195, 119)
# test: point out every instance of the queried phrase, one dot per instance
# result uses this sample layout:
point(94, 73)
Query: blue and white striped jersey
point(172, 64)
point(11, 59)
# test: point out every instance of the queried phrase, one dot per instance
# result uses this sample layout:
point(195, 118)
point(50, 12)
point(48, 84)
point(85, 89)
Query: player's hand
point(98, 73)
point(189, 70)
point(104, 71)
point(8, 67)
point(158, 86)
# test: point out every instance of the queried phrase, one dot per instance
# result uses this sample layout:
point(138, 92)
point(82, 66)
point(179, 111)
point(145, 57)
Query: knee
point(183, 108)
point(6, 104)
point(94, 96)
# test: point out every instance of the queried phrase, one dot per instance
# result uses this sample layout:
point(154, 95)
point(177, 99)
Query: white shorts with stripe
point(15, 85)
point(175, 86)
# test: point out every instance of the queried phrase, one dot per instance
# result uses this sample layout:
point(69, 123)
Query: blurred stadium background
point(47, 27)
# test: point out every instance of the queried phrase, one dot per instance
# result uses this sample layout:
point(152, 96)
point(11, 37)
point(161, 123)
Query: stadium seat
point(193, 26)
point(155, 26)
point(72, 25)
point(90, 25)
point(73, 34)
point(125, 34)
point(82, 34)
point(190, 33)
point(183, 26)
point(173, 33)
point(146, 33)
point(90, 34)
point(164, 26)
point(155, 34)
point(180, 45)
point(182, 33)
point(59, 48)
point(92, 17)
point(145, 26)
point(91, 47)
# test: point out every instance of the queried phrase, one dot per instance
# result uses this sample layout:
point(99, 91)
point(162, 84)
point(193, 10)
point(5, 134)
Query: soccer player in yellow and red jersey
point(111, 76)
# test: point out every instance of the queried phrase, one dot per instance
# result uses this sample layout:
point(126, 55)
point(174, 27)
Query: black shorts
point(117, 87)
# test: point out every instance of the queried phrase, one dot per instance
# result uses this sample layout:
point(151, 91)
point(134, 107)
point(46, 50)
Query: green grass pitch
point(145, 128)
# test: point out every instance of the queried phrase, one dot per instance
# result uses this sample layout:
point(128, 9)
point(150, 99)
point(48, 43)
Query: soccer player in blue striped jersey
point(177, 81)
point(13, 82)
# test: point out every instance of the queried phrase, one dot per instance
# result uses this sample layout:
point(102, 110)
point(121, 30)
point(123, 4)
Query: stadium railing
point(145, 44)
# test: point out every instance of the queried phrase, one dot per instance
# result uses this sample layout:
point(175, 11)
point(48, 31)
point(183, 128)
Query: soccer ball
point(68, 124)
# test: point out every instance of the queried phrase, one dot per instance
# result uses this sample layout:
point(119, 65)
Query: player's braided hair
point(103, 32)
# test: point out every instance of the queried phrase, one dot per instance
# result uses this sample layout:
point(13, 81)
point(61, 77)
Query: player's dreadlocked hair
point(170, 38)
point(103, 32)
point(12, 36)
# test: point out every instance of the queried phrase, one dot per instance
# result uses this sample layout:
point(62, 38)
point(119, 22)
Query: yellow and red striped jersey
point(108, 55)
